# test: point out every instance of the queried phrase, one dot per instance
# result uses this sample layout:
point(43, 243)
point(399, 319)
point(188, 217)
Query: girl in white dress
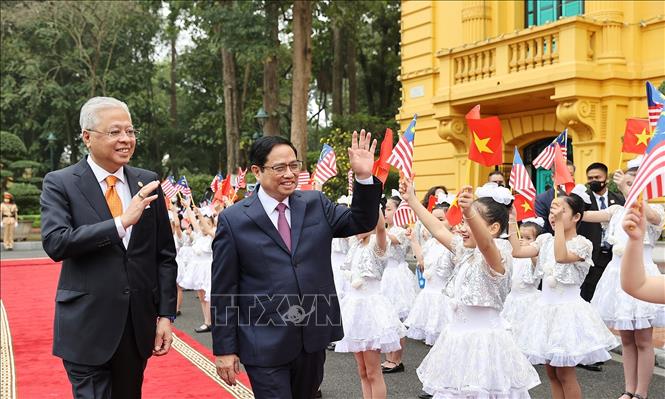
point(525, 277)
point(429, 313)
point(398, 283)
point(338, 251)
point(371, 325)
point(475, 355)
point(634, 319)
point(561, 330)
point(200, 265)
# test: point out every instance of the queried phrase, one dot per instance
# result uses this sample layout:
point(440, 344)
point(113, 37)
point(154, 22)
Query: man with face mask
point(601, 198)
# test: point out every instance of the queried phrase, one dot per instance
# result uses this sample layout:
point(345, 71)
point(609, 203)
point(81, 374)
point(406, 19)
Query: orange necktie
point(112, 197)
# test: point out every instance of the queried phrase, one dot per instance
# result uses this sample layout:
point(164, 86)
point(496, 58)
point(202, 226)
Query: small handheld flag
point(486, 144)
point(381, 167)
point(546, 158)
point(326, 167)
point(655, 101)
point(402, 155)
point(520, 181)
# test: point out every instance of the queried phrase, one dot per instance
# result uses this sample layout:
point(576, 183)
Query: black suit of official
point(108, 296)
point(601, 255)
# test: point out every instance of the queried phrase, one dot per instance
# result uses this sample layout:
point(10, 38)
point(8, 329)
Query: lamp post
point(261, 116)
point(51, 144)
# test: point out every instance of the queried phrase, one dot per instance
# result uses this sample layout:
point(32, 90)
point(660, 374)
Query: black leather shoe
point(397, 369)
point(424, 395)
point(204, 328)
point(318, 394)
point(331, 347)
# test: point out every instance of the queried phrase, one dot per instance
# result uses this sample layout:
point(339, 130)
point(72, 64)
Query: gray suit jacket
point(101, 281)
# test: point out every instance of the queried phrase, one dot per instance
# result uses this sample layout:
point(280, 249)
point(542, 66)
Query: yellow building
point(539, 65)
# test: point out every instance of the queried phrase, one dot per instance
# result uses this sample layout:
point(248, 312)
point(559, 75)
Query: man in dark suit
point(116, 295)
point(601, 198)
point(273, 294)
point(544, 201)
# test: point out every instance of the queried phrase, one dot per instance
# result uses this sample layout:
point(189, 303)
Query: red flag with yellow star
point(454, 214)
point(485, 143)
point(636, 136)
point(523, 207)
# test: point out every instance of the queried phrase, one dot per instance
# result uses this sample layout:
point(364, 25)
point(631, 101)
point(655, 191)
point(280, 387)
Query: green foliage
point(12, 146)
point(26, 197)
point(199, 183)
point(25, 164)
point(35, 219)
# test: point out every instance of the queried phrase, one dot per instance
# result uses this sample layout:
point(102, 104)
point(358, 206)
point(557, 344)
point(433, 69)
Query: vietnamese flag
point(431, 202)
point(562, 176)
point(454, 214)
point(226, 186)
point(381, 166)
point(523, 207)
point(636, 136)
point(485, 138)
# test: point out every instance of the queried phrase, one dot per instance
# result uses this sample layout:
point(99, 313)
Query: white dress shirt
point(603, 240)
point(121, 188)
point(270, 204)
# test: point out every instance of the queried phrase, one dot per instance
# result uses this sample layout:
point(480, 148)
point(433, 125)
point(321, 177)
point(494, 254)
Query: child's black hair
point(576, 203)
point(535, 226)
point(494, 212)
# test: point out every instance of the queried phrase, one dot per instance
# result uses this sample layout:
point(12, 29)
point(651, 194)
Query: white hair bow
point(580, 191)
point(499, 194)
point(448, 198)
point(395, 193)
point(538, 220)
point(636, 162)
point(346, 200)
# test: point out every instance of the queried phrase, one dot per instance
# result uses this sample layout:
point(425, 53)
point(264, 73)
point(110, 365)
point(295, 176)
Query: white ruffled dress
point(369, 320)
point(619, 310)
point(398, 283)
point(475, 355)
point(183, 256)
point(338, 251)
point(523, 293)
point(431, 311)
point(199, 270)
point(562, 329)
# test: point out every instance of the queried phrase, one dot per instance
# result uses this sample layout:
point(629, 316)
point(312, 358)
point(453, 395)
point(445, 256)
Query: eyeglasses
point(280, 168)
point(116, 133)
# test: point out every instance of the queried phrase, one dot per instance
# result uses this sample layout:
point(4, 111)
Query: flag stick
point(469, 165)
point(621, 160)
point(554, 187)
point(517, 229)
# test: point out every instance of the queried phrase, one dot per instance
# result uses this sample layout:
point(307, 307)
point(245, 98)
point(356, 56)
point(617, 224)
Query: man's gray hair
point(89, 110)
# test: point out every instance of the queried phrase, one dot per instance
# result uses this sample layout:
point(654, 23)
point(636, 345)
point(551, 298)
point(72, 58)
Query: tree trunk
point(270, 82)
point(173, 109)
point(302, 70)
point(338, 71)
point(230, 110)
point(351, 73)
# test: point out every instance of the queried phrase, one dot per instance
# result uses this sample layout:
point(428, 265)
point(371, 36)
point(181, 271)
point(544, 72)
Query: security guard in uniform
point(9, 220)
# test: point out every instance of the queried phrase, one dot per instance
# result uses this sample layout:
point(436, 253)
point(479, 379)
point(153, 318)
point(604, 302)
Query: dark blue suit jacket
point(269, 303)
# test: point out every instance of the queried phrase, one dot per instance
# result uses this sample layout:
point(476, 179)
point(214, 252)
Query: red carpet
point(28, 290)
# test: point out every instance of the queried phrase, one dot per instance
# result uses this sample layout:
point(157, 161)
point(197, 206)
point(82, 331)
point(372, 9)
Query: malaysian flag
point(327, 165)
point(168, 187)
point(651, 173)
point(349, 176)
point(303, 179)
point(183, 187)
point(520, 181)
point(402, 155)
point(546, 158)
point(240, 180)
point(403, 215)
point(655, 101)
point(214, 184)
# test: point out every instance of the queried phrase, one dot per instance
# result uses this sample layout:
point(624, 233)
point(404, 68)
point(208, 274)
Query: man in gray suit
point(273, 293)
point(116, 295)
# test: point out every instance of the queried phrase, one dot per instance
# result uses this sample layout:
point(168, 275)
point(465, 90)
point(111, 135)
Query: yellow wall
point(456, 54)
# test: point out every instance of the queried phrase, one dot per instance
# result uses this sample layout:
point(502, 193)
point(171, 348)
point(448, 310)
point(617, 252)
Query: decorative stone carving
point(453, 129)
point(580, 116)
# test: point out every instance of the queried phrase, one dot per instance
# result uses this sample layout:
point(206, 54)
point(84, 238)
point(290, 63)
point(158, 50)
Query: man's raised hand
point(133, 213)
point(361, 154)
